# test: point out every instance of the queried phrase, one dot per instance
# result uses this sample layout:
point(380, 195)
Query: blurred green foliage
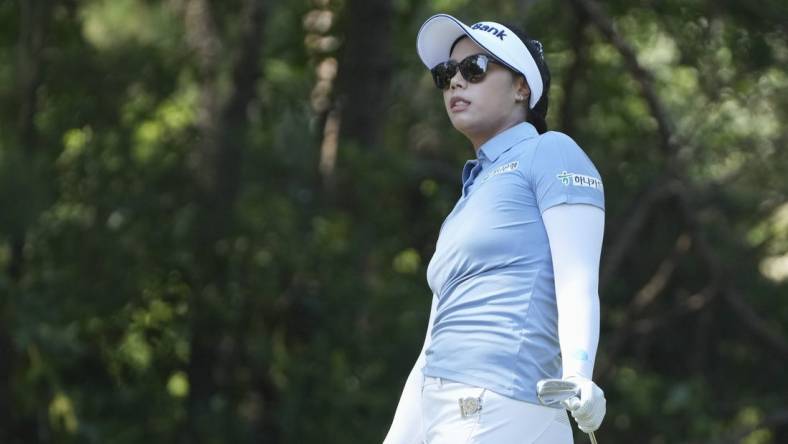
point(152, 293)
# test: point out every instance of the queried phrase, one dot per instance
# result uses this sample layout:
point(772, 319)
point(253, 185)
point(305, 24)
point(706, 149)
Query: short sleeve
point(562, 173)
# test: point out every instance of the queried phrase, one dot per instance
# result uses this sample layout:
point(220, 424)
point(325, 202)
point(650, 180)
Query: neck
point(481, 139)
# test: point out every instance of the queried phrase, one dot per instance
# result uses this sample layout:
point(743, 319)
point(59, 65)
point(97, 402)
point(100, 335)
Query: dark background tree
point(216, 217)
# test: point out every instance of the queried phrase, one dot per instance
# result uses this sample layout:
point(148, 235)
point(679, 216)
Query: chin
point(465, 123)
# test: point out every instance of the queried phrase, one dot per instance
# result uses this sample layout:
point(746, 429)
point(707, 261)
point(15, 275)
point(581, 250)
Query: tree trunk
point(223, 125)
point(365, 70)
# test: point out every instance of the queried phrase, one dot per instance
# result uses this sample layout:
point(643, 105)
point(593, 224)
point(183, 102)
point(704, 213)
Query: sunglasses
point(473, 69)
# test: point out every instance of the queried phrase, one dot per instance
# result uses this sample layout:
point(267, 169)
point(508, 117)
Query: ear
point(521, 90)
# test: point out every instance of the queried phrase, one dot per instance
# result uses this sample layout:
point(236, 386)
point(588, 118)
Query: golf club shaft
point(593, 438)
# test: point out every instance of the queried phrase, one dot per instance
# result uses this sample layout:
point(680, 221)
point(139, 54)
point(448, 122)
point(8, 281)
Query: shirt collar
point(501, 142)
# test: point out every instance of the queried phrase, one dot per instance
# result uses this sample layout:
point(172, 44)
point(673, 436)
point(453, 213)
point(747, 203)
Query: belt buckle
point(470, 406)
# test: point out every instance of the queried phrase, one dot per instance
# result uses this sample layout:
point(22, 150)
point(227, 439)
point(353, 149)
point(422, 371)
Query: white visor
point(440, 31)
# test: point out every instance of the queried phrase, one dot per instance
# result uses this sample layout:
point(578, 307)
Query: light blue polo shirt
point(496, 321)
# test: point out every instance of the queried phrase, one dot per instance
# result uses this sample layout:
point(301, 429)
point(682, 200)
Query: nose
point(457, 81)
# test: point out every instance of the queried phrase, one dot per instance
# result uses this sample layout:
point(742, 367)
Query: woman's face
point(482, 110)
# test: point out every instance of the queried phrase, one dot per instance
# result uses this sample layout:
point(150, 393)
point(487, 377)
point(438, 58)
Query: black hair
point(455, 43)
point(536, 116)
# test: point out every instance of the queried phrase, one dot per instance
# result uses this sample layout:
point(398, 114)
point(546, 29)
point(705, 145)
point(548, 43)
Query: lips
point(458, 103)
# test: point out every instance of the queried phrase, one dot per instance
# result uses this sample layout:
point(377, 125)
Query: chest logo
point(579, 180)
point(509, 167)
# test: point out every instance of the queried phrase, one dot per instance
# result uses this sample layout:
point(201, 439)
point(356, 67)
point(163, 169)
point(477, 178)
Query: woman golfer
point(516, 265)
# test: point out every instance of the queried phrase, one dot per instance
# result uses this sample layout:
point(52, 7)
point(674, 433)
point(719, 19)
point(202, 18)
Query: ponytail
point(538, 115)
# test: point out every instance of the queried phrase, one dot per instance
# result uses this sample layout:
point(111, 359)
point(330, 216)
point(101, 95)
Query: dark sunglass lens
point(474, 68)
point(443, 72)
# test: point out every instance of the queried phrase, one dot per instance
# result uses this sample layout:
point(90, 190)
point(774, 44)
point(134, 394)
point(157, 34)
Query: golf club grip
point(593, 438)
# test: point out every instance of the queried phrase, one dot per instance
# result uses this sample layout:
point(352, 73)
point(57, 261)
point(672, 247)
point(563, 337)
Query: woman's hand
point(590, 408)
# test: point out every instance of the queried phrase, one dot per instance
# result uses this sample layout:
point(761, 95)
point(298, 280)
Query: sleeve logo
point(580, 180)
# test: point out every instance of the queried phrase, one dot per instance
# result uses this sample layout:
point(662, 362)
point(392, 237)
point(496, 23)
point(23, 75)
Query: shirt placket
point(470, 176)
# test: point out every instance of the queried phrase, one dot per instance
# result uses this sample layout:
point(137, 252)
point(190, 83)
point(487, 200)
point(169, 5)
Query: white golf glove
point(590, 409)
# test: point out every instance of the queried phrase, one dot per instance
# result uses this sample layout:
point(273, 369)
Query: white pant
point(499, 420)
